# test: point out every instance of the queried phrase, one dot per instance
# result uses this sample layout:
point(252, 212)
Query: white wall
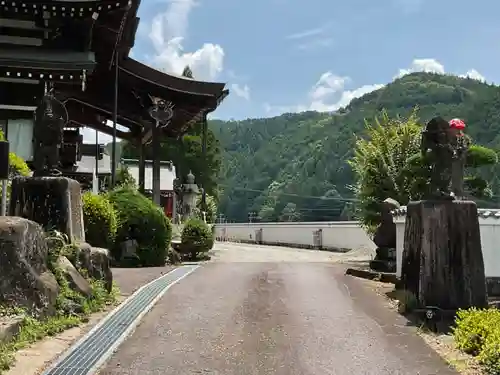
point(489, 226)
point(338, 235)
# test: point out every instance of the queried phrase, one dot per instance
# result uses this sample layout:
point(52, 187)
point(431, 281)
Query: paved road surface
point(297, 316)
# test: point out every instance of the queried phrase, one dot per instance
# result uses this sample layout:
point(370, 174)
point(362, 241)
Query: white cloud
point(312, 38)
point(308, 33)
point(329, 94)
point(327, 84)
point(473, 74)
point(241, 91)
point(168, 30)
point(422, 65)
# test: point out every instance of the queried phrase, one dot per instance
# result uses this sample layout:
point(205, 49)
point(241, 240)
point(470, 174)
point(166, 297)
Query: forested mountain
point(281, 167)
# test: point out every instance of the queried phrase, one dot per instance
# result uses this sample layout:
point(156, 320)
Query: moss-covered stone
point(53, 202)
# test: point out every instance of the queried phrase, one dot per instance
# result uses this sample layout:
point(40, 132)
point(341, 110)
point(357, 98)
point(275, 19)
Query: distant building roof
point(87, 164)
point(167, 174)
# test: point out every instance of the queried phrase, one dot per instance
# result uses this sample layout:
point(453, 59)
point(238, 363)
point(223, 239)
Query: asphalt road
point(285, 318)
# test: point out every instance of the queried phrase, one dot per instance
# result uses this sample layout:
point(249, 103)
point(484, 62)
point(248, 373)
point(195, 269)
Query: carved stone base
point(442, 262)
point(385, 260)
point(53, 202)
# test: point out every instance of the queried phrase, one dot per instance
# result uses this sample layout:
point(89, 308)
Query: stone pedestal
point(53, 202)
point(442, 261)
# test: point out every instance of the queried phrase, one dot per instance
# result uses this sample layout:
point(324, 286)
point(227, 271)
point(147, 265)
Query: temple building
point(77, 55)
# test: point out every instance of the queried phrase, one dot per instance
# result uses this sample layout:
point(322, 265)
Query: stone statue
point(385, 239)
point(50, 118)
point(438, 152)
point(190, 193)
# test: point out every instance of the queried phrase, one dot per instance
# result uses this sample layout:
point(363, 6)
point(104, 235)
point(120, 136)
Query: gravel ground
point(259, 310)
point(237, 253)
point(129, 280)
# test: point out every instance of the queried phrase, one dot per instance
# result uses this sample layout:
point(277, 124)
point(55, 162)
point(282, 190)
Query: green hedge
point(141, 220)
point(477, 332)
point(100, 220)
point(196, 237)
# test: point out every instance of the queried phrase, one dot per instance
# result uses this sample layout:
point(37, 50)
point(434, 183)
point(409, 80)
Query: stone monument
point(442, 263)
point(47, 198)
point(190, 193)
point(385, 239)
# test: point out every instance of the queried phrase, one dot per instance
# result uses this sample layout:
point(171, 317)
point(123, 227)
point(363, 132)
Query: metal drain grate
point(92, 350)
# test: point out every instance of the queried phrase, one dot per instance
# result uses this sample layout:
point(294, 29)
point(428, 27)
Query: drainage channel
point(92, 350)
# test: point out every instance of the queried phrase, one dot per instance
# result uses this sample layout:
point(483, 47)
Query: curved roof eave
point(172, 82)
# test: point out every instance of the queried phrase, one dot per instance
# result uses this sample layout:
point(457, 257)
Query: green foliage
point(388, 163)
point(100, 220)
point(479, 156)
point(141, 220)
point(477, 332)
point(59, 245)
point(381, 166)
point(298, 158)
point(124, 178)
point(33, 329)
point(210, 209)
point(18, 166)
point(196, 238)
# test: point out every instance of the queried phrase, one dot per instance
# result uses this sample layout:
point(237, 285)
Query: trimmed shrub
point(100, 220)
point(196, 238)
point(477, 332)
point(141, 220)
point(18, 166)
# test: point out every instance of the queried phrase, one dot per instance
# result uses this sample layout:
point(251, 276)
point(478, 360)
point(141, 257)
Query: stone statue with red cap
point(438, 153)
point(442, 263)
point(444, 148)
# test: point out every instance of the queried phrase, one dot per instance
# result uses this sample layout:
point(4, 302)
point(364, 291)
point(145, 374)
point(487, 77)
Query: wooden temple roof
point(84, 36)
point(137, 85)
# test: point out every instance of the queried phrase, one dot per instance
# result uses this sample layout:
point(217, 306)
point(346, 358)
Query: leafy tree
point(290, 213)
point(124, 178)
point(387, 164)
point(210, 209)
point(187, 72)
point(300, 157)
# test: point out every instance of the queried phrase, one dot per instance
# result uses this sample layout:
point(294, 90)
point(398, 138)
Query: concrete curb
point(372, 275)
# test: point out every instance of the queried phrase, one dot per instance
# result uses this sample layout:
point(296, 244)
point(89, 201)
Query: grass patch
point(33, 330)
point(72, 309)
point(477, 332)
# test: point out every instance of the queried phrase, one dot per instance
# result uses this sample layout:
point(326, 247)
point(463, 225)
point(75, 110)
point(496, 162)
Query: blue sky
point(292, 55)
point(273, 53)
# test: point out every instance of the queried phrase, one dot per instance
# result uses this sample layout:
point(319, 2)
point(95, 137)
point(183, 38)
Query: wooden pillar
point(115, 116)
point(204, 155)
point(142, 167)
point(174, 207)
point(156, 163)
